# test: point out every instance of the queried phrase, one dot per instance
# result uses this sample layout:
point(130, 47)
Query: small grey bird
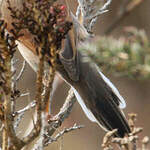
point(98, 97)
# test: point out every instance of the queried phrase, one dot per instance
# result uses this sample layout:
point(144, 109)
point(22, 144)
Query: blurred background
point(136, 93)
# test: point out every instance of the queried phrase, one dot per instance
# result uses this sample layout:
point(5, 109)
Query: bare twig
point(18, 120)
point(16, 93)
point(28, 107)
point(89, 10)
point(24, 94)
point(56, 121)
point(107, 138)
point(67, 107)
point(60, 134)
point(132, 119)
point(128, 142)
point(98, 13)
point(21, 71)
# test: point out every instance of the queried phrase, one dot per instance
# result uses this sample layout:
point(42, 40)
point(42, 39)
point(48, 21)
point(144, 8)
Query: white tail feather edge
point(87, 112)
point(122, 104)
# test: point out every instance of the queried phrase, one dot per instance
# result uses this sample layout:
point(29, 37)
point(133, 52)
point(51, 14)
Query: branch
point(64, 112)
point(48, 32)
point(28, 107)
point(60, 134)
point(88, 12)
point(18, 120)
point(7, 50)
point(67, 107)
point(36, 130)
point(21, 71)
point(128, 142)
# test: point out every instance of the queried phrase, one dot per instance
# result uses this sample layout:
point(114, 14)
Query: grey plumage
point(97, 95)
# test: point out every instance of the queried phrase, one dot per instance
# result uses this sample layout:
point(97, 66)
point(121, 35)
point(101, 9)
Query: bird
point(98, 97)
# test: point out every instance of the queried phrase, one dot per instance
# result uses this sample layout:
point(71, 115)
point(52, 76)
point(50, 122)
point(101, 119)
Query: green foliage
point(128, 56)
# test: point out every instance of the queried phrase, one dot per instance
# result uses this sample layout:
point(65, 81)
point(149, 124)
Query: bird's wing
point(95, 90)
point(87, 111)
